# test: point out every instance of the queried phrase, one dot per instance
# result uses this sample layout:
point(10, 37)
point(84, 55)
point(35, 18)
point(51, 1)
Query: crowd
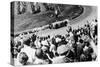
point(77, 45)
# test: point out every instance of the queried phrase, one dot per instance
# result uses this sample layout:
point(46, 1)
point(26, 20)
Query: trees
point(21, 7)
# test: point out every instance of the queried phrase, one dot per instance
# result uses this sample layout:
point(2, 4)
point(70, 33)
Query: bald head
point(39, 53)
point(23, 58)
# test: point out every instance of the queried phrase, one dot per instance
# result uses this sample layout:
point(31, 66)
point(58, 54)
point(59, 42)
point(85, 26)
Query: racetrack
point(29, 21)
point(88, 14)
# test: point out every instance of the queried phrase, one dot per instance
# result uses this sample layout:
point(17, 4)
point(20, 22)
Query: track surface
point(88, 13)
point(29, 21)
